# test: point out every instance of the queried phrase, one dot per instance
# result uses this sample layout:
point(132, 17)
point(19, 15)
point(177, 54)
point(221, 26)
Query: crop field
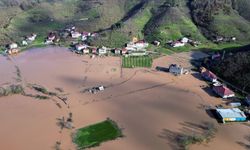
point(96, 134)
point(137, 61)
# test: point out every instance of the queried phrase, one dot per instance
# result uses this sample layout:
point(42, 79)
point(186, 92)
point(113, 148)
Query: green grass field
point(96, 134)
point(137, 61)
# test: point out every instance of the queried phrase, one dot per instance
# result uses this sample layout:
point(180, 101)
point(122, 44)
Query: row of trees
point(236, 69)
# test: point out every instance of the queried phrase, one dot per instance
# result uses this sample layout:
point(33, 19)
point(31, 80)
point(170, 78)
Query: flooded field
point(150, 106)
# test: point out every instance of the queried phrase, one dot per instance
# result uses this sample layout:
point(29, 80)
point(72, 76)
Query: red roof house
point(124, 51)
point(208, 75)
point(223, 91)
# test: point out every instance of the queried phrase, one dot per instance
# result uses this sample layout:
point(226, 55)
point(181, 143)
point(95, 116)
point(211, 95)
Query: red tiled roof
point(209, 74)
point(222, 90)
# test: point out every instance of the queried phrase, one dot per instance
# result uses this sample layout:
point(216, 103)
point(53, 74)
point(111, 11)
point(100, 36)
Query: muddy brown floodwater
point(148, 105)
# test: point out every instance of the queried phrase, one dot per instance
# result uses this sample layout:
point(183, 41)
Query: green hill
point(118, 21)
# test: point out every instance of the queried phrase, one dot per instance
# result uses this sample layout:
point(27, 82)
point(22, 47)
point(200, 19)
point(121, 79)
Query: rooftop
point(231, 113)
point(223, 90)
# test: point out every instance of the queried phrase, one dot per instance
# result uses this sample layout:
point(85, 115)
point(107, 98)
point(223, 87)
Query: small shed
point(231, 115)
point(223, 91)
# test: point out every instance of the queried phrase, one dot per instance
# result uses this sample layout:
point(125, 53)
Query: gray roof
point(231, 113)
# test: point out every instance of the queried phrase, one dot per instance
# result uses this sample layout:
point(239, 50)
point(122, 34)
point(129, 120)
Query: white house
point(102, 51)
point(117, 51)
point(177, 44)
point(32, 37)
point(24, 43)
point(137, 46)
point(13, 46)
point(184, 40)
point(84, 38)
point(80, 47)
point(51, 37)
point(75, 35)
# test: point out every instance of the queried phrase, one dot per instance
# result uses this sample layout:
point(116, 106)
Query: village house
point(94, 51)
point(124, 51)
point(84, 38)
point(75, 34)
point(86, 51)
point(184, 40)
point(70, 29)
point(80, 47)
point(156, 43)
point(208, 75)
point(32, 37)
point(137, 46)
point(12, 46)
point(194, 43)
point(117, 51)
point(24, 43)
point(176, 69)
point(94, 34)
point(233, 38)
point(231, 115)
point(223, 91)
point(50, 38)
point(102, 51)
point(86, 34)
point(177, 44)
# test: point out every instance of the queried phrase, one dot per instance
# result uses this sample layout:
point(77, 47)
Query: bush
point(11, 90)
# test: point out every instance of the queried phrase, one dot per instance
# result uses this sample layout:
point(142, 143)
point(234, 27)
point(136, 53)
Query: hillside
point(118, 21)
